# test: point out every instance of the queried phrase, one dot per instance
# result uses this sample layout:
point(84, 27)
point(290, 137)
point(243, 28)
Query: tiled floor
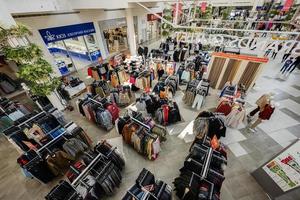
point(246, 151)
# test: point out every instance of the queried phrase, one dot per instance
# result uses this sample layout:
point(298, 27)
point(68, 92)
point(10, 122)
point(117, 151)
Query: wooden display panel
point(216, 71)
point(230, 72)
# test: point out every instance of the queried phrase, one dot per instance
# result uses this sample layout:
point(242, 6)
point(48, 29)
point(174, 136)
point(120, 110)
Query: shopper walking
point(288, 53)
point(293, 66)
point(286, 65)
point(276, 51)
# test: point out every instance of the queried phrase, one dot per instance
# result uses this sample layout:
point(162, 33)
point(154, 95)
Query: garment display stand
point(70, 190)
point(104, 115)
point(205, 178)
point(143, 136)
point(143, 192)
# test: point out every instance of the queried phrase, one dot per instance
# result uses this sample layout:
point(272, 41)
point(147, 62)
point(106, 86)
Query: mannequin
point(261, 103)
point(264, 114)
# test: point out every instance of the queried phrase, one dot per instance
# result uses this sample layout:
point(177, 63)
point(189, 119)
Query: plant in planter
point(33, 69)
point(167, 28)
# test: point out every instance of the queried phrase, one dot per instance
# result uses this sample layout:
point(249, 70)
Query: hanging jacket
point(105, 119)
point(74, 146)
point(58, 162)
point(114, 111)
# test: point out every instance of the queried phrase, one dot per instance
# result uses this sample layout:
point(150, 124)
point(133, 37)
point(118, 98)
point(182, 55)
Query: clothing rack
point(51, 142)
point(30, 119)
point(140, 123)
point(207, 162)
point(94, 162)
point(97, 102)
point(212, 185)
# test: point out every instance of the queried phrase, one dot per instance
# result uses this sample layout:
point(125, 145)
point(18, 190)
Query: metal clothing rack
point(89, 168)
point(97, 102)
point(140, 123)
point(30, 119)
point(212, 185)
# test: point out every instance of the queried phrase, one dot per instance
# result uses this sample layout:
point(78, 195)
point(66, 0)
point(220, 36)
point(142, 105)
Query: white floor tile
point(291, 91)
point(237, 149)
point(279, 120)
point(282, 137)
point(187, 134)
point(177, 128)
point(291, 105)
point(233, 136)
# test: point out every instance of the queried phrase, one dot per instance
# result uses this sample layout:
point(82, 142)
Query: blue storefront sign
point(65, 32)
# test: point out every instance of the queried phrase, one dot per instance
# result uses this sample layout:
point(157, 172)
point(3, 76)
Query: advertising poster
point(284, 169)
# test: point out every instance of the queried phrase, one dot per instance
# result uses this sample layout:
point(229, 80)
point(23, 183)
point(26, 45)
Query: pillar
point(131, 32)
point(100, 37)
point(6, 20)
point(255, 4)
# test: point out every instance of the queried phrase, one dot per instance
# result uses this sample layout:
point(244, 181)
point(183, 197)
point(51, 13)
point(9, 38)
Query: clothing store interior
point(207, 110)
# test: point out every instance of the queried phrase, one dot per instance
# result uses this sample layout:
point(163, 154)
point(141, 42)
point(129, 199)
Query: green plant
point(33, 69)
point(226, 12)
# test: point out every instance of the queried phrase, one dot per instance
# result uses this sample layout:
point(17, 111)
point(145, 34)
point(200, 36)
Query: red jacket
point(267, 112)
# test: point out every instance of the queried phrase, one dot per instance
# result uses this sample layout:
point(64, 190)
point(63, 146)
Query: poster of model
point(284, 169)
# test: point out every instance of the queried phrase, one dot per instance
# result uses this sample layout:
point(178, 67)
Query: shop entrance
point(115, 34)
point(73, 47)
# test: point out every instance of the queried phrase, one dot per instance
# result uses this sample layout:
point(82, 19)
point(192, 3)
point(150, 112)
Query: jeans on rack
point(198, 101)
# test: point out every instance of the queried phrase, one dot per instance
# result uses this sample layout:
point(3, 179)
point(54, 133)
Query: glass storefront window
point(61, 57)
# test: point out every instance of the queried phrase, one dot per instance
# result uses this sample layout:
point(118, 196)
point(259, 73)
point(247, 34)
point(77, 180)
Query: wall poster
point(284, 169)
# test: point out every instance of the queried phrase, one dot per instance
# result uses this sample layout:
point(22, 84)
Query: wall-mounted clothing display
point(100, 112)
point(147, 187)
point(96, 175)
point(142, 134)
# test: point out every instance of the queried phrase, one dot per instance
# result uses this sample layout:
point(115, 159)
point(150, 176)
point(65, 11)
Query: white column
point(255, 4)
point(130, 32)
point(100, 37)
point(6, 20)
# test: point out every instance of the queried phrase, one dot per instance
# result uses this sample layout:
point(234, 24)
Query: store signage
point(152, 17)
point(287, 5)
point(64, 32)
point(240, 57)
point(250, 43)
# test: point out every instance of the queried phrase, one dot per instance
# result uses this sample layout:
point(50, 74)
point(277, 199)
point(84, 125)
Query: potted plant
point(34, 71)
